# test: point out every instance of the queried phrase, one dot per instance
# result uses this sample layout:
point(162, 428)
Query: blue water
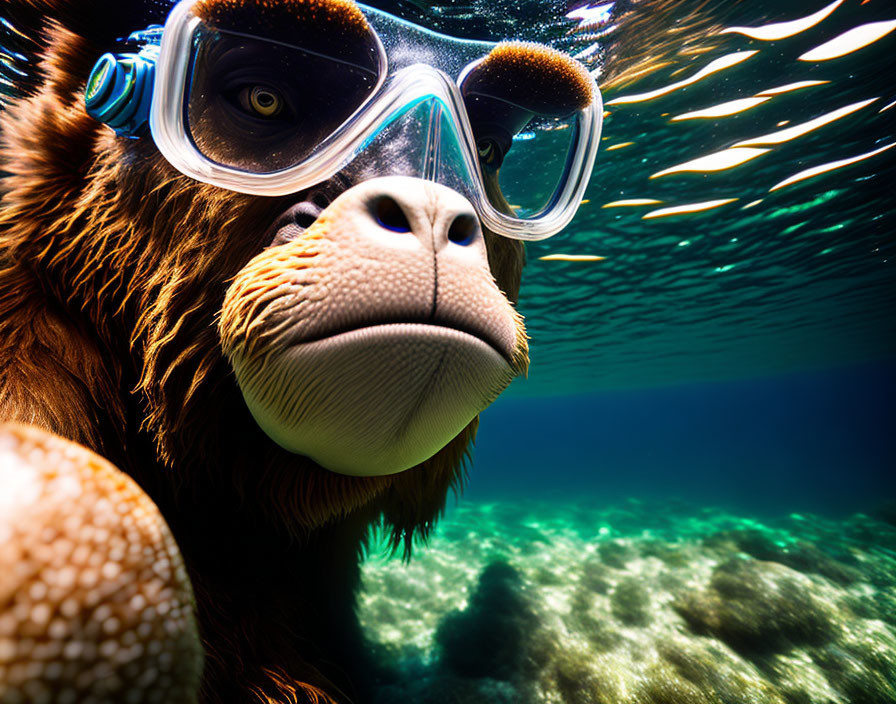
point(821, 441)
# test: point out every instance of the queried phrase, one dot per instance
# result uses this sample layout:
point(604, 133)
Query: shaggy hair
point(137, 258)
point(113, 268)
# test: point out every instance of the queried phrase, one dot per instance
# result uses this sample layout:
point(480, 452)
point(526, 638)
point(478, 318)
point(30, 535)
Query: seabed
point(639, 603)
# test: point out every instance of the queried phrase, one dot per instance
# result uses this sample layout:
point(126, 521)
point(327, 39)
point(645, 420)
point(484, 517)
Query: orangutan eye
point(261, 101)
point(489, 153)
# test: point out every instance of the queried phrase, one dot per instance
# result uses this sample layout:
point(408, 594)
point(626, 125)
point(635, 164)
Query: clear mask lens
point(534, 167)
point(525, 132)
point(420, 139)
point(262, 106)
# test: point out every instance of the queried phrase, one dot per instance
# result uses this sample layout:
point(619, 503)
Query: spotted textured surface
point(95, 603)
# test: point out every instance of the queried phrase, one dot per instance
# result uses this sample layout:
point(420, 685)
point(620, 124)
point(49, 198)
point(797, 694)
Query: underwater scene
point(691, 498)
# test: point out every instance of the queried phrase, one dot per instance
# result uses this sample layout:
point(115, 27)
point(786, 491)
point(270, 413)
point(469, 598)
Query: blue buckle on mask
point(119, 89)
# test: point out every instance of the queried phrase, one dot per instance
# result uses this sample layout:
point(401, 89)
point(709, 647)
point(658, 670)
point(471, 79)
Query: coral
point(879, 605)
point(862, 665)
point(448, 689)
point(718, 676)
point(630, 602)
point(598, 630)
point(689, 618)
point(576, 680)
point(615, 553)
point(595, 576)
point(758, 606)
point(800, 555)
point(672, 554)
point(487, 639)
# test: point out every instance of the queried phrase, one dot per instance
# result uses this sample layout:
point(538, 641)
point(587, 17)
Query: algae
point(632, 604)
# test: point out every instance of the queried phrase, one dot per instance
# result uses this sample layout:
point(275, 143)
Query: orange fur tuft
point(534, 76)
point(342, 13)
point(330, 27)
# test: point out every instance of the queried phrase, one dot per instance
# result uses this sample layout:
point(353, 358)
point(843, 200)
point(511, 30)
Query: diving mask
point(273, 98)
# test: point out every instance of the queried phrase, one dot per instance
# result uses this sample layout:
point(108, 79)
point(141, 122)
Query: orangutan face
point(370, 339)
point(370, 330)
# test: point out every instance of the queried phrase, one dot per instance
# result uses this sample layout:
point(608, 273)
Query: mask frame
point(409, 82)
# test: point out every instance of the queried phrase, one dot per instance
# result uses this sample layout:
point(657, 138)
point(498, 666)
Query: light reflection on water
point(740, 218)
point(754, 236)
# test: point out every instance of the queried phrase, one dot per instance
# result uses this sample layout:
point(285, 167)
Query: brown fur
point(331, 14)
point(113, 267)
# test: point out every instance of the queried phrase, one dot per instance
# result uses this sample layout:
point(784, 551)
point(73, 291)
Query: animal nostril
point(462, 230)
point(390, 215)
point(305, 213)
point(304, 220)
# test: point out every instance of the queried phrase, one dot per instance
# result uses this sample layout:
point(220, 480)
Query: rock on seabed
point(636, 604)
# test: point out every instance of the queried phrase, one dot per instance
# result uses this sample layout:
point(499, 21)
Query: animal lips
point(367, 394)
point(433, 327)
point(377, 399)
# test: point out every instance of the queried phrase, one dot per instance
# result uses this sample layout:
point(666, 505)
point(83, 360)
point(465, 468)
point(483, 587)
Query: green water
point(803, 277)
